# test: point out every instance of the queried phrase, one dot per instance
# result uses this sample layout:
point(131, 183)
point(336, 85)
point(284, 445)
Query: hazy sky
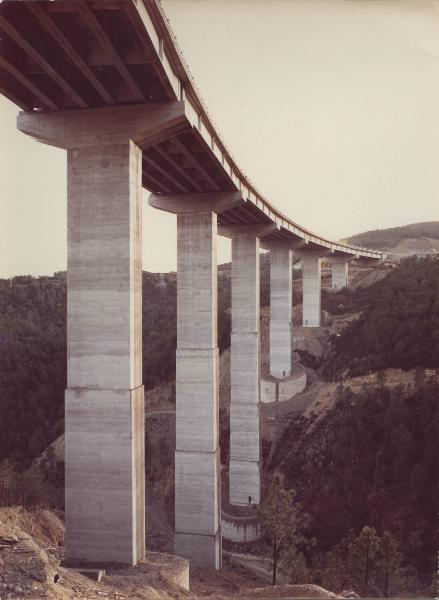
point(331, 107)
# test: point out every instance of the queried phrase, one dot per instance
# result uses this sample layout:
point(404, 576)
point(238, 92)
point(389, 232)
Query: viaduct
point(105, 81)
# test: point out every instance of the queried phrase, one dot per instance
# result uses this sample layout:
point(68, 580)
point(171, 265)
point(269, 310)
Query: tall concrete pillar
point(244, 473)
point(340, 274)
point(104, 410)
point(311, 285)
point(105, 473)
point(281, 289)
point(197, 459)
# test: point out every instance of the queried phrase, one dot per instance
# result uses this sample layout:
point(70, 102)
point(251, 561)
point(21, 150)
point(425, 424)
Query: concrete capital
point(364, 261)
point(258, 230)
point(340, 260)
point(288, 245)
point(316, 252)
point(145, 124)
point(178, 204)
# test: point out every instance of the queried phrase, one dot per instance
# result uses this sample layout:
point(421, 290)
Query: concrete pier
point(281, 259)
point(104, 411)
point(105, 474)
point(244, 475)
point(197, 460)
point(311, 280)
point(340, 274)
point(197, 474)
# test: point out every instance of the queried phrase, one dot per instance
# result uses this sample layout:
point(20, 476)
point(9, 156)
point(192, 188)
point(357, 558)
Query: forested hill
point(398, 326)
point(370, 462)
point(389, 238)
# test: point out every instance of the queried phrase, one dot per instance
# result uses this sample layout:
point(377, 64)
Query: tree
point(8, 483)
point(34, 488)
point(282, 519)
point(363, 551)
point(391, 571)
point(294, 565)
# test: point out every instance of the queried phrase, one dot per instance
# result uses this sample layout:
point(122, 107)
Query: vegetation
point(365, 473)
point(33, 354)
point(32, 367)
point(398, 326)
point(40, 485)
point(372, 565)
point(389, 238)
point(370, 461)
point(282, 522)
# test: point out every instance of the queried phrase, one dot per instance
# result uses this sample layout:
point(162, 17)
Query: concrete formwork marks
point(244, 475)
point(311, 273)
point(280, 311)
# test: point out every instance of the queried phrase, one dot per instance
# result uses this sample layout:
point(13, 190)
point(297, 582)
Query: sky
point(331, 107)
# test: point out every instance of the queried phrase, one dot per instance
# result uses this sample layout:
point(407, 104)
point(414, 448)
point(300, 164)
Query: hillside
point(31, 566)
point(361, 460)
point(409, 239)
point(398, 324)
point(33, 354)
point(370, 461)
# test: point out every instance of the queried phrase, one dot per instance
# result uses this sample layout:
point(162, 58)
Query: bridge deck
point(73, 54)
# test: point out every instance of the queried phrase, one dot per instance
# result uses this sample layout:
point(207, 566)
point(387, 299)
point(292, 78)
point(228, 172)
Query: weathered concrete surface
point(311, 274)
point(340, 275)
point(281, 265)
point(197, 466)
point(203, 550)
point(104, 319)
point(104, 475)
point(244, 476)
point(104, 400)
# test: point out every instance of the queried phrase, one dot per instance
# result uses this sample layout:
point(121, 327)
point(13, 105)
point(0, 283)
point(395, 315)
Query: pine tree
point(362, 554)
point(282, 519)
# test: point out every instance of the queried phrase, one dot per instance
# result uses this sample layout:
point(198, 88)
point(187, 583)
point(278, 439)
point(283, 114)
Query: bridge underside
point(72, 54)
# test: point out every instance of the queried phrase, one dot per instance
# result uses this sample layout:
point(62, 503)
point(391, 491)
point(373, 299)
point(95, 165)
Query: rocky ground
point(31, 555)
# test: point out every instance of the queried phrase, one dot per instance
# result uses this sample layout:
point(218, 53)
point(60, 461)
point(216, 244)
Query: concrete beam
point(145, 124)
point(244, 472)
point(256, 230)
point(180, 204)
point(281, 292)
point(197, 465)
point(288, 245)
point(363, 261)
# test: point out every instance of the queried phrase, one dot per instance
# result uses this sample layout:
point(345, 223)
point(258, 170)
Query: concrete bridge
point(105, 81)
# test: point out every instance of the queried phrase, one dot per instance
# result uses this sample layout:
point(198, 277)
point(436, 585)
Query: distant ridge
point(390, 238)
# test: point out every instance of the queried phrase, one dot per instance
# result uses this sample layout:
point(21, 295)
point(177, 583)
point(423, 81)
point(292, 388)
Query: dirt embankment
point(31, 554)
